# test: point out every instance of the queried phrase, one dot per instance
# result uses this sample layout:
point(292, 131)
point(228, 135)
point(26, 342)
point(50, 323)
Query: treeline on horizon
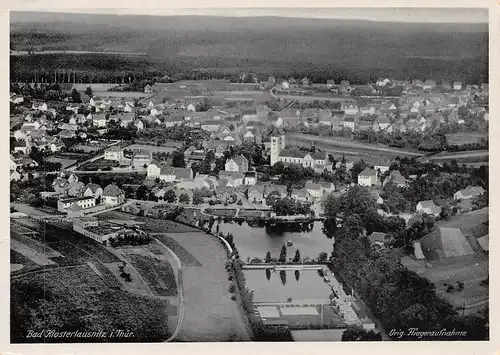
point(104, 68)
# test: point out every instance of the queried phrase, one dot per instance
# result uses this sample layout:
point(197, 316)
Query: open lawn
point(157, 273)
point(210, 314)
point(64, 161)
point(77, 299)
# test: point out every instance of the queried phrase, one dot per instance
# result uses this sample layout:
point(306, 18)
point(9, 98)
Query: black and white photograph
point(249, 175)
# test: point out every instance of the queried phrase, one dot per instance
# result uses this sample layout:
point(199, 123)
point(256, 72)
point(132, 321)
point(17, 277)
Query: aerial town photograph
point(249, 175)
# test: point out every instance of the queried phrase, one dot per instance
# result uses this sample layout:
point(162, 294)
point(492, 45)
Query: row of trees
point(290, 207)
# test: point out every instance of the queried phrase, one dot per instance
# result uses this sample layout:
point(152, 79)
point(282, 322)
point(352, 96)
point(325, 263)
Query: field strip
point(31, 254)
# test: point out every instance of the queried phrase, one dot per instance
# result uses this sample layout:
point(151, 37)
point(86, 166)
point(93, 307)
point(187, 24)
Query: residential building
point(250, 178)
point(368, 177)
point(469, 193)
point(256, 194)
point(112, 195)
point(428, 207)
point(92, 190)
point(84, 202)
point(168, 173)
point(314, 190)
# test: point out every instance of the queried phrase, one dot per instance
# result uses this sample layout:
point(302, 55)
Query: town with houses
point(256, 178)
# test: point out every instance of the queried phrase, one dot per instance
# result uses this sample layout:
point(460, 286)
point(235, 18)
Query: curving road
point(179, 292)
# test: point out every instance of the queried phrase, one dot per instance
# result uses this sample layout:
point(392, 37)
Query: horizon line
point(254, 13)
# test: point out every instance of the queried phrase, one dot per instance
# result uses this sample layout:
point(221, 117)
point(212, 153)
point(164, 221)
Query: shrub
point(450, 288)
point(233, 297)
point(232, 288)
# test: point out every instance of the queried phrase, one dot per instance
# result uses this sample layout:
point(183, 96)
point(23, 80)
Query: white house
point(368, 177)
point(84, 202)
point(468, 193)
point(315, 190)
point(428, 207)
point(113, 196)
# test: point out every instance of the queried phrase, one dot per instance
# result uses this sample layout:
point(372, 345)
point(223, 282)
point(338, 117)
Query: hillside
point(268, 43)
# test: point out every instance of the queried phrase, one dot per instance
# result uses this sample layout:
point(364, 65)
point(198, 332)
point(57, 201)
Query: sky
point(455, 15)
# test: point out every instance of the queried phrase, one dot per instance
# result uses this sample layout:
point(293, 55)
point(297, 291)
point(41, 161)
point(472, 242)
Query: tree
point(282, 257)
point(178, 159)
point(356, 169)
point(89, 92)
point(210, 157)
point(268, 257)
point(283, 277)
point(197, 197)
point(203, 106)
point(296, 258)
point(75, 96)
point(277, 169)
point(268, 274)
point(184, 198)
point(356, 333)
point(170, 196)
point(322, 257)
point(297, 275)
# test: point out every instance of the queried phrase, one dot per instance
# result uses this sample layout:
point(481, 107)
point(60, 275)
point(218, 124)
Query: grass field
point(310, 98)
point(17, 258)
point(257, 96)
point(465, 138)
point(65, 162)
point(37, 246)
point(95, 86)
point(185, 256)
point(333, 144)
point(75, 247)
point(158, 274)
point(130, 95)
point(77, 299)
point(38, 258)
point(151, 225)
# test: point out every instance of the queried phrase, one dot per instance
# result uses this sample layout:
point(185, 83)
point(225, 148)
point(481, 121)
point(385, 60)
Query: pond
point(254, 240)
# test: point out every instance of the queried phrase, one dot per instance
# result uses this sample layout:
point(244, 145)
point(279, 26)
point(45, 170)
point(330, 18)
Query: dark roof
point(112, 190)
point(367, 172)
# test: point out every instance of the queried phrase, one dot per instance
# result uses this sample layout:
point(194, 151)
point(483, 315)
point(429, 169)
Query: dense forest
point(203, 47)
